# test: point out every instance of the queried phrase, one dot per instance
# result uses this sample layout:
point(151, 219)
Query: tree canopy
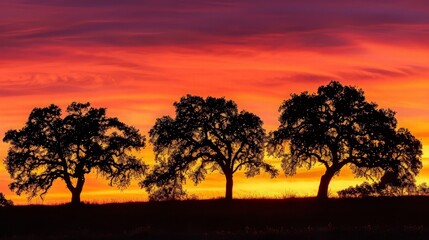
point(50, 147)
point(337, 127)
point(206, 135)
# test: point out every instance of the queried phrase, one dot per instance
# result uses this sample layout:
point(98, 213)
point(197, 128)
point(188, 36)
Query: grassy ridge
point(300, 218)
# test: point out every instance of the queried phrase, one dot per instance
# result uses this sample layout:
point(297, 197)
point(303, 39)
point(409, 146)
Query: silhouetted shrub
point(5, 202)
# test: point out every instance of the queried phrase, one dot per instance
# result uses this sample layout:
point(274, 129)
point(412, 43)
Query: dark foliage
point(5, 202)
point(171, 190)
point(338, 127)
point(391, 184)
point(206, 135)
point(376, 190)
point(50, 147)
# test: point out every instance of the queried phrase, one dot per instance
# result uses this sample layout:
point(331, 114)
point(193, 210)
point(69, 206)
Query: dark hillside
point(306, 218)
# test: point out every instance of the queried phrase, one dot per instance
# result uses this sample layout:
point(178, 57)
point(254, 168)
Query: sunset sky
point(137, 57)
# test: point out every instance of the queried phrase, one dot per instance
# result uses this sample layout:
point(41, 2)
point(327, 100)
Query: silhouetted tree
point(5, 202)
point(338, 127)
point(50, 147)
point(206, 135)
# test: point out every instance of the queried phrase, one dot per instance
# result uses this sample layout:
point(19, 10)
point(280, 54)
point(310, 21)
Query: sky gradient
point(137, 57)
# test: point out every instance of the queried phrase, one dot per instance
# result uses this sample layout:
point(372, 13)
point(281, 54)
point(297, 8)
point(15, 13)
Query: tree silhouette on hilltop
point(337, 127)
point(206, 135)
point(50, 147)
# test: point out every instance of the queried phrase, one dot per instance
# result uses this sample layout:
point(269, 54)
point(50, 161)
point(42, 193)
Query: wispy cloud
point(309, 24)
point(48, 84)
point(371, 73)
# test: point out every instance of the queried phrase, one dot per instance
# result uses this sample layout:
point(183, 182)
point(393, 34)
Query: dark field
point(300, 218)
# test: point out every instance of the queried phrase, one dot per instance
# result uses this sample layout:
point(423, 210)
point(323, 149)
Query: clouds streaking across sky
point(137, 57)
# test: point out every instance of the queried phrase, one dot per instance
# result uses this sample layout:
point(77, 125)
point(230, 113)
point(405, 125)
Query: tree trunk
point(77, 191)
point(324, 185)
point(229, 184)
point(75, 200)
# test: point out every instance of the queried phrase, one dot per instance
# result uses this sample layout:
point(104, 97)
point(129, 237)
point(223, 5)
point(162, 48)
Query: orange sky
point(137, 59)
